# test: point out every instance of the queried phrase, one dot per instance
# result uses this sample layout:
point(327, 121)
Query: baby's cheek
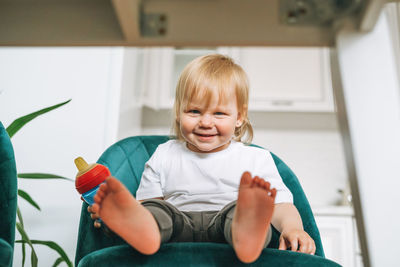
point(185, 132)
point(184, 128)
point(227, 129)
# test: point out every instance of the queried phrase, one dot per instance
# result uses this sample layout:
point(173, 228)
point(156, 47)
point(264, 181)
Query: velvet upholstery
point(8, 198)
point(126, 160)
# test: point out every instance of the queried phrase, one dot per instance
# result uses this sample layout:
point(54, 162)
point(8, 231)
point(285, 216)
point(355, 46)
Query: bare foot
point(252, 217)
point(126, 216)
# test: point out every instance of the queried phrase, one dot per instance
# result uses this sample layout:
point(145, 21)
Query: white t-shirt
point(206, 181)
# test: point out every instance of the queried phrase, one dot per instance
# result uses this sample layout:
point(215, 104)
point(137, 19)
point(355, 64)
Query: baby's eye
point(219, 113)
point(194, 111)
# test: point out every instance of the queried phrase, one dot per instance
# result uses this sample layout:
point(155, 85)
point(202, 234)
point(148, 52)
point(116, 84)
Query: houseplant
point(12, 129)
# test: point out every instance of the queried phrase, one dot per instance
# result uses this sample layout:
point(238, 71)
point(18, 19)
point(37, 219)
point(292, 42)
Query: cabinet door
point(281, 79)
point(157, 72)
point(337, 238)
point(162, 68)
point(287, 79)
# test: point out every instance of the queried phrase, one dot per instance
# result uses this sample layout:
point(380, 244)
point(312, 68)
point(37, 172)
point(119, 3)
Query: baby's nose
point(206, 120)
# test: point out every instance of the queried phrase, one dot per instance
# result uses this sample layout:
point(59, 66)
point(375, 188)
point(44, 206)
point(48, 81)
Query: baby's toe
point(94, 216)
point(97, 224)
point(100, 193)
point(97, 199)
point(95, 208)
point(267, 186)
point(273, 193)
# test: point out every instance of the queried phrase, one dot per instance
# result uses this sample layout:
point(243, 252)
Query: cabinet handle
point(282, 103)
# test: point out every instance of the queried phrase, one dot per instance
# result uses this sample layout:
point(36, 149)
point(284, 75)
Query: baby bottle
point(89, 178)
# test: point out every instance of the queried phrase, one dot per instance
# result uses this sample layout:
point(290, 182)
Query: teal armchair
point(126, 160)
point(8, 198)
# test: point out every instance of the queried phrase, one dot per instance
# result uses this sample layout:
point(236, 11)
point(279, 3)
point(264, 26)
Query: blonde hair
point(210, 74)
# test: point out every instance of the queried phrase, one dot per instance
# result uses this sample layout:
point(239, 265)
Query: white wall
point(34, 78)
point(130, 114)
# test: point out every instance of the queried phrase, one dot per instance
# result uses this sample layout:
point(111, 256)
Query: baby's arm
point(286, 219)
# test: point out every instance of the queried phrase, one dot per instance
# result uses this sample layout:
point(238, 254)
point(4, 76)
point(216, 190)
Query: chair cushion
point(8, 188)
point(197, 254)
point(6, 253)
point(126, 160)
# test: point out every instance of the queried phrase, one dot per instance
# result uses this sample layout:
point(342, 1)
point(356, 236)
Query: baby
point(199, 186)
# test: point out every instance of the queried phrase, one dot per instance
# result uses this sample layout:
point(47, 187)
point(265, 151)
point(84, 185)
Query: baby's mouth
point(205, 135)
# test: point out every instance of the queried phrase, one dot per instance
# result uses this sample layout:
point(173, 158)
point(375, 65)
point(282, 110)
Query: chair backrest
point(8, 189)
point(126, 160)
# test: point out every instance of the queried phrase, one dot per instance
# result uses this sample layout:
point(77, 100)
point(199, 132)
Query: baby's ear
point(242, 115)
point(239, 120)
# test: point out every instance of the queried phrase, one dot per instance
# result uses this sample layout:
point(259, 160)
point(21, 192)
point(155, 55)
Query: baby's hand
point(297, 240)
point(95, 216)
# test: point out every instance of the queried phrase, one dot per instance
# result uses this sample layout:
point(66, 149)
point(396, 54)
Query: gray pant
point(193, 226)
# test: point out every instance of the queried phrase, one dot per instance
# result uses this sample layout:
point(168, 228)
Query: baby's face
point(210, 128)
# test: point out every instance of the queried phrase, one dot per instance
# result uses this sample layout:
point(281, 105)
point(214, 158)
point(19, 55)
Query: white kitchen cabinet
point(281, 79)
point(162, 68)
point(288, 79)
point(338, 232)
point(157, 74)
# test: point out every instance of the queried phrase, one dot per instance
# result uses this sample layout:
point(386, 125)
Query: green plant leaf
point(23, 243)
point(34, 259)
point(19, 215)
point(25, 239)
point(53, 245)
point(28, 198)
point(17, 124)
point(38, 175)
point(12, 129)
point(57, 262)
point(21, 221)
point(23, 254)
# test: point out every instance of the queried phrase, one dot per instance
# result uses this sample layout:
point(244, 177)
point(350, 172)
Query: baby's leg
point(252, 217)
point(124, 215)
